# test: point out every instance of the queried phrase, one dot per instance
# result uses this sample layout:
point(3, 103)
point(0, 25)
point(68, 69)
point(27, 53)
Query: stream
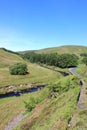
point(24, 91)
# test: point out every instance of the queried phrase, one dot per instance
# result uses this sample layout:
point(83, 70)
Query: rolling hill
point(65, 49)
point(37, 74)
point(10, 107)
point(51, 113)
point(8, 57)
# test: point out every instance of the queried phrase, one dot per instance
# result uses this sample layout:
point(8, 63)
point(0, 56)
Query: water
point(18, 93)
point(73, 71)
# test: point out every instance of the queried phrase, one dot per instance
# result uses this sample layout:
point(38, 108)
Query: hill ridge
point(76, 49)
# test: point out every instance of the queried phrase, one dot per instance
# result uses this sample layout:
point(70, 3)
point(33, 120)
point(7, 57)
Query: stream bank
point(24, 91)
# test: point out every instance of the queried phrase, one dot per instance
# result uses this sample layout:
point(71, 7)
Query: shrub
point(58, 88)
point(54, 89)
point(18, 69)
point(33, 101)
point(30, 105)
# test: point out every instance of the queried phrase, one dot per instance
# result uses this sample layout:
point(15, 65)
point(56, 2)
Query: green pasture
point(36, 75)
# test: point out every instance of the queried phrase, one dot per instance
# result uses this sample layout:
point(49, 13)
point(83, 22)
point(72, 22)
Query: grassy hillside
point(8, 58)
point(37, 74)
point(65, 49)
point(13, 106)
point(53, 114)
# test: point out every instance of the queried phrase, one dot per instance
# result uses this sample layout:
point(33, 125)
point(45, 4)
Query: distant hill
point(62, 49)
point(8, 57)
point(23, 52)
point(65, 49)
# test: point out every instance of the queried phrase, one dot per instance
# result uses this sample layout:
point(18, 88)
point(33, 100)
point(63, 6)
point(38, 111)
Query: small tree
point(18, 69)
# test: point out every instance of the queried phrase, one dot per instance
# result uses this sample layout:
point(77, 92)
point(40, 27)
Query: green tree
point(67, 60)
point(18, 69)
point(30, 105)
point(53, 59)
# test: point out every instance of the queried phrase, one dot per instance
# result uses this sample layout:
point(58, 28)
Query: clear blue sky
point(36, 24)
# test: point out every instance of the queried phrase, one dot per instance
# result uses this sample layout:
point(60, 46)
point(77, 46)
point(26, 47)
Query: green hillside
point(37, 74)
point(61, 113)
point(64, 49)
point(52, 113)
point(12, 106)
point(8, 58)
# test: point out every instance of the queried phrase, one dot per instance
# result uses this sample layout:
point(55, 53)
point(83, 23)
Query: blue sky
point(37, 24)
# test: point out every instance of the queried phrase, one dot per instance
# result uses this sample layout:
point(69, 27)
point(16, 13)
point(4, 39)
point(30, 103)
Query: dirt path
point(36, 112)
point(11, 125)
point(83, 96)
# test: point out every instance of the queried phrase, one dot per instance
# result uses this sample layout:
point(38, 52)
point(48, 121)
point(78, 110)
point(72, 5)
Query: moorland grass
point(7, 58)
point(55, 113)
point(12, 106)
point(37, 75)
point(65, 49)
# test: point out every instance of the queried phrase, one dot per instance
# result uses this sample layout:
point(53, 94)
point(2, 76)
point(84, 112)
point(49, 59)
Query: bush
point(18, 69)
point(58, 88)
point(33, 101)
point(30, 105)
point(55, 89)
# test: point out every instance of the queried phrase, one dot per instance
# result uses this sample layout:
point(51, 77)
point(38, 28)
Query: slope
point(54, 113)
point(65, 49)
point(36, 75)
point(8, 58)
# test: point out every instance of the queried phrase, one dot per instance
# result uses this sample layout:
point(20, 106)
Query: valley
point(53, 105)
